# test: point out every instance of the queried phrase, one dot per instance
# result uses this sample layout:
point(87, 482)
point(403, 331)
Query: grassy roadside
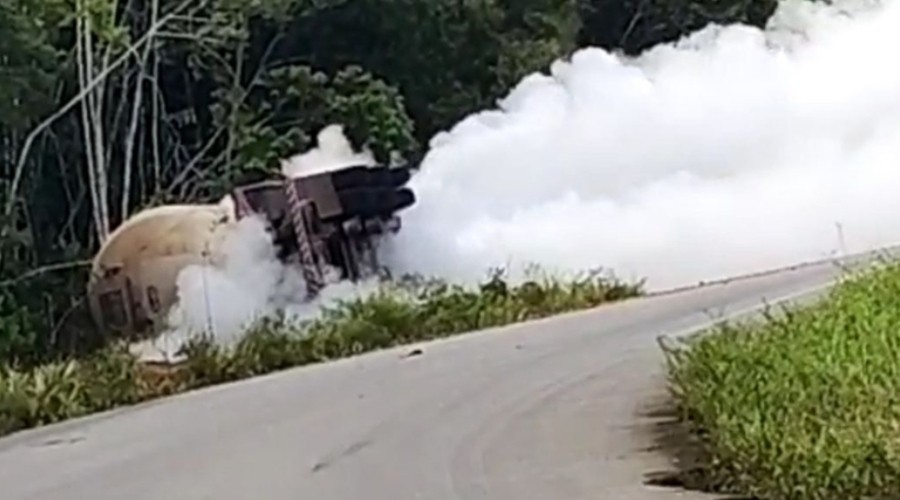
point(804, 404)
point(395, 315)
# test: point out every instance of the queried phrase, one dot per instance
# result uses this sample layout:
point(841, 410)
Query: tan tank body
point(133, 276)
point(319, 221)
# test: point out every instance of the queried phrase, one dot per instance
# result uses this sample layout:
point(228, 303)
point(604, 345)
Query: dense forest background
point(108, 106)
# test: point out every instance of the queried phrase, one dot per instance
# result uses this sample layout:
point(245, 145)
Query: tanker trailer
point(327, 221)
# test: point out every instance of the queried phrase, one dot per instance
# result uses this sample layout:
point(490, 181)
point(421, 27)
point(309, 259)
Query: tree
point(635, 25)
point(29, 61)
point(447, 58)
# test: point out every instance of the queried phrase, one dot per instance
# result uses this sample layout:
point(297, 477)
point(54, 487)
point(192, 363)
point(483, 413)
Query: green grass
point(400, 313)
point(804, 404)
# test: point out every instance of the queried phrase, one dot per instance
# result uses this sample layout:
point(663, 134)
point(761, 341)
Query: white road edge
point(554, 409)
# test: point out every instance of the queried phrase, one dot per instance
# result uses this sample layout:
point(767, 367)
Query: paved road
point(550, 410)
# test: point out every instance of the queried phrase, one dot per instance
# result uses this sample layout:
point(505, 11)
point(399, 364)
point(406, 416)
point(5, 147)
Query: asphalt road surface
point(556, 409)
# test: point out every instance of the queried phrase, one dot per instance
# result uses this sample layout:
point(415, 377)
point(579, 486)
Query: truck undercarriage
point(324, 222)
point(330, 219)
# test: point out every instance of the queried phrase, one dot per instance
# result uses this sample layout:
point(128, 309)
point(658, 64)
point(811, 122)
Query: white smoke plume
point(333, 152)
point(734, 150)
point(222, 299)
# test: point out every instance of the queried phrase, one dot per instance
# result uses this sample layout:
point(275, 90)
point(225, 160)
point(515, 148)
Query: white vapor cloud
point(733, 150)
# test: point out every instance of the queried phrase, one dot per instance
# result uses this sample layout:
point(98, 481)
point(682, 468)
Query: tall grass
point(804, 404)
point(400, 313)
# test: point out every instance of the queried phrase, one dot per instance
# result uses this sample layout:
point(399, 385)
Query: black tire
point(368, 203)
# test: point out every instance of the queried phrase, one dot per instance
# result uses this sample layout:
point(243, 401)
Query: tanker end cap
point(403, 199)
point(361, 176)
point(371, 192)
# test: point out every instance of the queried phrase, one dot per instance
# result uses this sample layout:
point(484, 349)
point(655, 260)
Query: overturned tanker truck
point(325, 221)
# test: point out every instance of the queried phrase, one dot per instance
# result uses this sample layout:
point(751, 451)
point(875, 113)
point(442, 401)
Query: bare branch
point(154, 131)
point(60, 266)
point(80, 27)
point(135, 114)
point(85, 90)
point(191, 166)
point(95, 111)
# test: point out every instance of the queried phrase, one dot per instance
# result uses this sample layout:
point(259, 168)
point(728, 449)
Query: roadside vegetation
point(396, 315)
point(111, 106)
point(804, 404)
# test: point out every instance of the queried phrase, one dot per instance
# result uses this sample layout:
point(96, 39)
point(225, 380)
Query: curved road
point(556, 409)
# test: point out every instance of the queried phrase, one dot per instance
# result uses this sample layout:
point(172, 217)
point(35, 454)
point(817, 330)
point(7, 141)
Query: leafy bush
point(407, 311)
point(58, 391)
point(43, 316)
point(400, 313)
point(805, 404)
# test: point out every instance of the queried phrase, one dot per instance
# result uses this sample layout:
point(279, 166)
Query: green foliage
point(448, 58)
point(395, 315)
point(28, 59)
point(35, 305)
point(294, 100)
point(18, 329)
point(58, 391)
point(804, 404)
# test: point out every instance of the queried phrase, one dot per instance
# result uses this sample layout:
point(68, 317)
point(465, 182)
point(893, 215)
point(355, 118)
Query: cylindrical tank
point(133, 277)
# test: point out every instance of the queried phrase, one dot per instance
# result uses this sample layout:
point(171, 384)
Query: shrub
point(804, 404)
point(406, 311)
